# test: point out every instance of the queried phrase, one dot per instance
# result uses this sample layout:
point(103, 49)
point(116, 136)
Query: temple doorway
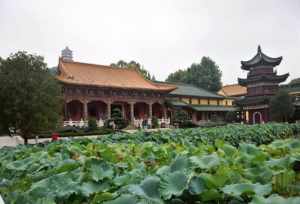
point(97, 110)
point(257, 118)
point(74, 110)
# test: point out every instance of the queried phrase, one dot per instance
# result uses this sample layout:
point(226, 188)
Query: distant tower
point(67, 54)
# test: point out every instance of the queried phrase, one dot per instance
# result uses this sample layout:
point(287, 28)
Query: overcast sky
point(163, 35)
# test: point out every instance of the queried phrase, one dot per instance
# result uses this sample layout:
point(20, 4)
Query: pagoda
point(262, 83)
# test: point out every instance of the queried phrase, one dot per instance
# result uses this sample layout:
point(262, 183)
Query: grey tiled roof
point(190, 90)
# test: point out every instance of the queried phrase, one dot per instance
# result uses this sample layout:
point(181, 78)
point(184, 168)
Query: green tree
point(281, 107)
point(178, 76)
point(205, 74)
point(133, 65)
point(30, 97)
point(295, 81)
point(117, 119)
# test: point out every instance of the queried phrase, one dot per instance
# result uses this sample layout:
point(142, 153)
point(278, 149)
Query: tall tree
point(281, 107)
point(30, 97)
point(178, 76)
point(133, 65)
point(205, 74)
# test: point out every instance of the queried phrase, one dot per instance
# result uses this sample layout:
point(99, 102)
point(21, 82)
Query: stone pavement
point(16, 140)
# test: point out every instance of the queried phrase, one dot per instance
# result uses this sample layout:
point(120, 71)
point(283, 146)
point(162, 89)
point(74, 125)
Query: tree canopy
point(295, 81)
point(134, 65)
point(30, 97)
point(281, 107)
point(205, 74)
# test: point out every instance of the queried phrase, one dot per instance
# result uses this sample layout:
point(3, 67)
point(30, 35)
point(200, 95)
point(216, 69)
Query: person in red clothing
point(55, 136)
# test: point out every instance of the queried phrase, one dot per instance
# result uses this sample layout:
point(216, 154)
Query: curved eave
point(246, 65)
point(251, 101)
point(196, 96)
point(260, 59)
point(276, 79)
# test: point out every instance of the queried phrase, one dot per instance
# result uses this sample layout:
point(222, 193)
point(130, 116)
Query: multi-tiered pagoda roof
point(261, 69)
point(265, 78)
point(260, 59)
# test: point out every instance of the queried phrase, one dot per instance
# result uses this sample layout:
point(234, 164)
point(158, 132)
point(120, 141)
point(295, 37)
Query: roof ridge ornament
point(259, 49)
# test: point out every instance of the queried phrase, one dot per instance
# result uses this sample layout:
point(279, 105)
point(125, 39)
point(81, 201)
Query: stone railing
point(138, 123)
point(82, 123)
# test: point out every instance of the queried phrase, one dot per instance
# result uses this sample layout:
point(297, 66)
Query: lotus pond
point(234, 164)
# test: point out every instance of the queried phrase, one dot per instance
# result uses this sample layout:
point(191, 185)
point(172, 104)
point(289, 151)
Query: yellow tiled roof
point(105, 76)
point(233, 90)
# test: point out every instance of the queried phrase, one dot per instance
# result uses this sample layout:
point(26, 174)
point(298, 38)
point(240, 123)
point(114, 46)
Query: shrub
point(154, 122)
point(92, 124)
point(117, 118)
point(231, 117)
point(73, 131)
point(182, 119)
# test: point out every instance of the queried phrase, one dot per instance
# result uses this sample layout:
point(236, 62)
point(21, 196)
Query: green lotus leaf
point(181, 163)
point(213, 181)
point(206, 162)
point(163, 170)
point(210, 195)
point(57, 186)
point(275, 199)
point(45, 201)
point(229, 150)
point(262, 174)
point(90, 187)
point(150, 186)
point(148, 190)
point(100, 170)
point(197, 186)
point(123, 199)
point(173, 184)
point(247, 188)
point(100, 197)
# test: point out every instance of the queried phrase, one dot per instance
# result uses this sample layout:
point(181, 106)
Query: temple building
point(92, 90)
point(262, 83)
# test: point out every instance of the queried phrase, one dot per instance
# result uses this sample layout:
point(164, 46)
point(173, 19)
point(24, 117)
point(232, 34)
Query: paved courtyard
point(16, 140)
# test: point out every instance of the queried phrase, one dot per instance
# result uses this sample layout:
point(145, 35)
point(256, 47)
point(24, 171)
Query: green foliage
point(154, 122)
point(173, 183)
point(246, 188)
point(73, 131)
point(181, 118)
point(205, 74)
point(30, 97)
point(92, 124)
point(178, 76)
point(116, 113)
point(163, 167)
point(281, 107)
point(295, 81)
point(134, 65)
point(116, 117)
point(231, 116)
